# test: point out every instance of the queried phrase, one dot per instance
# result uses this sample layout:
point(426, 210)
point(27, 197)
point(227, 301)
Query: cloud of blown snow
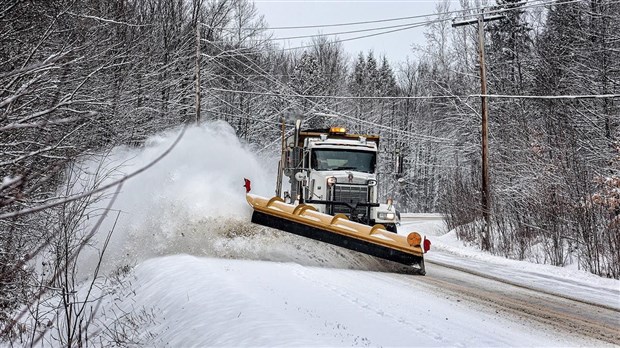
point(200, 181)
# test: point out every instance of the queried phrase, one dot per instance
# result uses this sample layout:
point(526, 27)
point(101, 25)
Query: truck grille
point(350, 194)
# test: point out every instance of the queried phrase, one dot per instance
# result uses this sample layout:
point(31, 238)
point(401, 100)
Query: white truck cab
point(336, 173)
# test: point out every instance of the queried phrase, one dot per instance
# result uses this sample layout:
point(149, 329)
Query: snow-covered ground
point(204, 276)
point(201, 301)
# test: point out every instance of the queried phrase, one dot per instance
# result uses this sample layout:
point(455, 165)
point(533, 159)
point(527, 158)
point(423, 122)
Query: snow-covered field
point(202, 275)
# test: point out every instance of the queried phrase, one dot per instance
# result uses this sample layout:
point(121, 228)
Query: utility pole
point(197, 107)
point(486, 201)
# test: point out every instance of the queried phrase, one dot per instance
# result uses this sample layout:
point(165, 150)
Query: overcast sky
point(396, 46)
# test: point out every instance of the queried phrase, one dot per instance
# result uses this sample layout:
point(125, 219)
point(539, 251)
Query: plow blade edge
point(338, 230)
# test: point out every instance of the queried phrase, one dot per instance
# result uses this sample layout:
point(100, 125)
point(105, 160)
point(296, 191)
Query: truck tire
point(390, 227)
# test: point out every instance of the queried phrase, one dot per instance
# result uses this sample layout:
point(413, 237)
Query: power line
point(403, 27)
point(579, 96)
point(340, 40)
point(331, 25)
point(347, 24)
point(273, 94)
point(344, 32)
point(315, 26)
point(512, 7)
point(367, 36)
point(513, 96)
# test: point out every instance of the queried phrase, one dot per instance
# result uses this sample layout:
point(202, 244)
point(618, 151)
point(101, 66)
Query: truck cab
point(336, 172)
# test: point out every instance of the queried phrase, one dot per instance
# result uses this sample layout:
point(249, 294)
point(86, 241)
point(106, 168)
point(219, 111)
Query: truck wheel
point(420, 269)
point(390, 227)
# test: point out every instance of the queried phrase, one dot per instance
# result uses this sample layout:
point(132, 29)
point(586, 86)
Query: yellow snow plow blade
point(305, 221)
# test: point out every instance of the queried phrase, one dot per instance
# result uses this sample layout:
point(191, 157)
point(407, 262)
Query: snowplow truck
point(327, 190)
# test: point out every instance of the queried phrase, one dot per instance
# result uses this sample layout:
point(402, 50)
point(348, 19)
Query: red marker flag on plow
point(247, 185)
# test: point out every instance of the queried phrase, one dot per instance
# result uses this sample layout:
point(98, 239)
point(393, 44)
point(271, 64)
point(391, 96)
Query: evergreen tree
point(387, 79)
point(357, 84)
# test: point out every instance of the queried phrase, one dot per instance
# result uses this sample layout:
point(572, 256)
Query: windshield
point(336, 159)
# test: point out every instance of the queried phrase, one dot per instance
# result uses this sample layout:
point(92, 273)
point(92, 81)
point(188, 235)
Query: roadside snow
point(567, 282)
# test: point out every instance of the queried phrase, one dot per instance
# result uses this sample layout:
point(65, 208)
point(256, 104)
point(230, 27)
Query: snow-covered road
point(529, 306)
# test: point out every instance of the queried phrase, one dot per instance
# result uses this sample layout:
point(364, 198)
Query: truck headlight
point(331, 180)
point(386, 216)
point(371, 182)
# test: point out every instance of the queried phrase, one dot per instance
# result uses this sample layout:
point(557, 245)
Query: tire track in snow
point(576, 317)
point(521, 285)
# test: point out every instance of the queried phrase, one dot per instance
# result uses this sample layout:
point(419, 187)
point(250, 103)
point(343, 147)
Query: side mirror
point(300, 176)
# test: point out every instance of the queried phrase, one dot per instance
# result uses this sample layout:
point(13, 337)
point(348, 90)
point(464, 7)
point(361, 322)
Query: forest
point(79, 77)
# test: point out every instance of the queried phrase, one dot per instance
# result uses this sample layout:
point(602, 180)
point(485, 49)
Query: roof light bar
point(337, 130)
